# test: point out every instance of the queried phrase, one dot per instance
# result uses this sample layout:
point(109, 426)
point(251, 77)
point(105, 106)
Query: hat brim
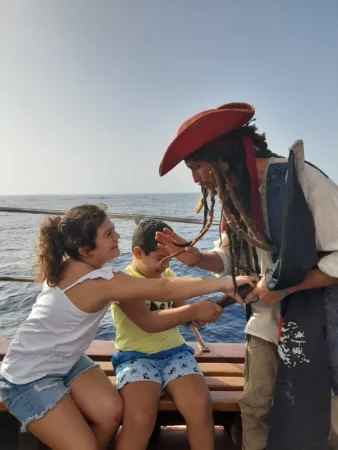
point(201, 131)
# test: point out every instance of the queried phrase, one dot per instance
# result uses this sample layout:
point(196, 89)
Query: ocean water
point(18, 234)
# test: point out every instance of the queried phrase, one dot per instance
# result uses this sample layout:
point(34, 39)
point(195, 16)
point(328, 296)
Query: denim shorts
point(31, 401)
point(161, 367)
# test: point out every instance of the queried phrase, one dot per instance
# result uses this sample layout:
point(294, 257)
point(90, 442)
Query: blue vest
point(300, 415)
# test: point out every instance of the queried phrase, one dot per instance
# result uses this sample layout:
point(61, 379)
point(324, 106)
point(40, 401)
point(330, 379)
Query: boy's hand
point(198, 323)
point(206, 311)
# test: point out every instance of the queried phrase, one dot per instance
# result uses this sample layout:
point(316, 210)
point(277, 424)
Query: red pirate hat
point(202, 128)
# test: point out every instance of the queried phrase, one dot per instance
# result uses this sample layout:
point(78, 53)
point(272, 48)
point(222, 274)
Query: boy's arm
point(151, 321)
point(178, 303)
point(162, 320)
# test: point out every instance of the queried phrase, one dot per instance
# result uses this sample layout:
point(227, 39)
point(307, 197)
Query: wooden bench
point(222, 367)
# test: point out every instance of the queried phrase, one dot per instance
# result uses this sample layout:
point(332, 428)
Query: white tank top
point(54, 335)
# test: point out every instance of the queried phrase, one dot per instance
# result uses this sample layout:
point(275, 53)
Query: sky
point(93, 92)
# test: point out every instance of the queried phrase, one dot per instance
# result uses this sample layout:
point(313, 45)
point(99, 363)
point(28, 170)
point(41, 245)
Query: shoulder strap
point(105, 273)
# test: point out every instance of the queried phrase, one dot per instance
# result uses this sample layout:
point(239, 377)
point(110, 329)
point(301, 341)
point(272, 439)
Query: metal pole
point(135, 217)
point(200, 340)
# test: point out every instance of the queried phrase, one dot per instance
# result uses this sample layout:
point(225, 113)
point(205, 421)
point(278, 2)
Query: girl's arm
point(162, 320)
point(123, 287)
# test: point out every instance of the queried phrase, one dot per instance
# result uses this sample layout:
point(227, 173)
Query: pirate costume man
point(281, 224)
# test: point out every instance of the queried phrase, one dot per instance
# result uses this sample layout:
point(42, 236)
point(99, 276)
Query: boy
point(160, 358)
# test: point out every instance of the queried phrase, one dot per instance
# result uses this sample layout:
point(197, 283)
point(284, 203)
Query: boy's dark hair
point(144, 235)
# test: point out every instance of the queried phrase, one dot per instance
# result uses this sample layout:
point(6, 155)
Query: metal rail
point(135, 217)
point(59, 212)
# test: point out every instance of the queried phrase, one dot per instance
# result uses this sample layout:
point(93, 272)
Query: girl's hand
point(230, 289)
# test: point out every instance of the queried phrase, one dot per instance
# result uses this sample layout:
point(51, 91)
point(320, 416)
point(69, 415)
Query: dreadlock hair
point(207, 220)
point(235, 201)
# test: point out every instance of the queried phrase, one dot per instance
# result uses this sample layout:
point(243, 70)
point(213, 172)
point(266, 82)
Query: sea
point(18, 233)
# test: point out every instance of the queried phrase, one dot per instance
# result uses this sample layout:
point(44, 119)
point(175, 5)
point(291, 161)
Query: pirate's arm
point(323, 203)
point(314, 279)
point(212, 261)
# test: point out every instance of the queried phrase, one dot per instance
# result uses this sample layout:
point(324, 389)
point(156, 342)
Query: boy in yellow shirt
point(162, 359)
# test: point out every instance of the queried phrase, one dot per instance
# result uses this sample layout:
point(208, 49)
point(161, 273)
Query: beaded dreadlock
point(235, 201)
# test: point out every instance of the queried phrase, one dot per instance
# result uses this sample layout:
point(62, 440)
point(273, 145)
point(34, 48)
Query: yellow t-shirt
point(129, 337)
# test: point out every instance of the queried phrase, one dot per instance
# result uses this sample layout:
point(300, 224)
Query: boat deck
point(223, 369)
point(168, 438)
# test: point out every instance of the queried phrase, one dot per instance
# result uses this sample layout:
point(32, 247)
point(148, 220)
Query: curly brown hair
point(60, 239)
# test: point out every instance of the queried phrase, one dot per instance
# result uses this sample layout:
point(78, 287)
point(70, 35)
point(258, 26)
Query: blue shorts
point(31, 401)
point(161, 367)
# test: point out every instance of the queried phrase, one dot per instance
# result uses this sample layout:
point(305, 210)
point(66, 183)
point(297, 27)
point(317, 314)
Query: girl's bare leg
point(99, 402)
point(64, 428)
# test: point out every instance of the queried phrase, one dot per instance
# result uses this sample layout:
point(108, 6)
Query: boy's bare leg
point(191, 396)
point(139, 414)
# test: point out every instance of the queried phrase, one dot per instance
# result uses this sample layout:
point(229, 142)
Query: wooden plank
point(216, 383)
point(223, 352)
point(208, 369)
point(221, 401)
point(220, 352)
point(225, 383)
point(175, 437)
point(222, 369)
point(103, 351)
point(107, 367)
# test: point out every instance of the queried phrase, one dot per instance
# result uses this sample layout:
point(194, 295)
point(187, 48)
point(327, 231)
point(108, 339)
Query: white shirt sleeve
point(224, 253)
point(323, 203)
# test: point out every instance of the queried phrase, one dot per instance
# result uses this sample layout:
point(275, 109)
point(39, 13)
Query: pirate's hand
point(261, 292)
point(167, 240)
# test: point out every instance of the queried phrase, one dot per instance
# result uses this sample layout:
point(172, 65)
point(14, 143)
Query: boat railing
point(136, 217)
point(116, 216)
